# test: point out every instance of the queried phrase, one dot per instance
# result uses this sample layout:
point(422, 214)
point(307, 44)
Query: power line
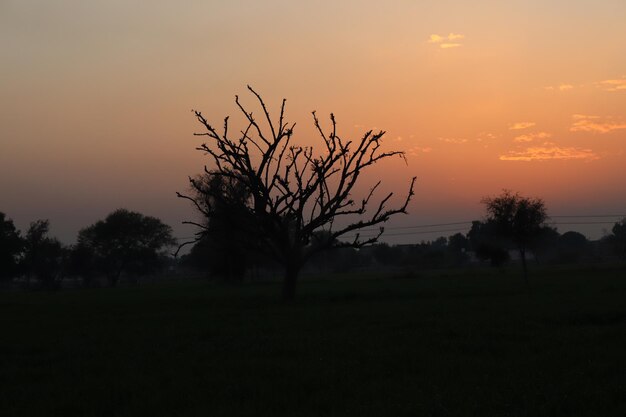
point(570, 223)
point(421, 232)
point(468, 222)
point(590, 216)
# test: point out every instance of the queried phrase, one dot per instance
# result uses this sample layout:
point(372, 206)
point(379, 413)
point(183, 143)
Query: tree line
point(502, 237)
point(129, 244)
point(124, 243)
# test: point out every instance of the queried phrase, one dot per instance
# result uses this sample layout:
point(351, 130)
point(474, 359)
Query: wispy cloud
point(483, 136)
point(446, 42)
point(417, 150)
point(450, 45)
point(529, 137)
point(436, 39)
point(550, 151)
point(594, 124)
point(614, 85)
point(453, 140)
point(521, 125)
point(455, 36)
point(560, 87)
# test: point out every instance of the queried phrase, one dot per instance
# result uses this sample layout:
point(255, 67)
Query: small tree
point(517, 218)
point(125, 241)
point(44, 256)
point(572, 246)
point(487, 244)
point(11, 247)
point(293, 192)
point(618, 238)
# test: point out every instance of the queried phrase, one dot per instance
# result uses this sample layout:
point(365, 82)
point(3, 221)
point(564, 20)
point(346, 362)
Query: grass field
point(472, 343)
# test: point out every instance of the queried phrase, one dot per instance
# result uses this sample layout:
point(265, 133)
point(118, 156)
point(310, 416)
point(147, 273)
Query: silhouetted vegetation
point(11, 249)
point(572, 247)
point(519, 219)
point(290, 193)
point(487, 243)
point(125, 241)
point(223, 248)
point(618, 238)
point(44, 256)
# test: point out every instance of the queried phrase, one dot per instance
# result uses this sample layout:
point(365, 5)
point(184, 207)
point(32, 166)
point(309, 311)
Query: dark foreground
point(464, 344)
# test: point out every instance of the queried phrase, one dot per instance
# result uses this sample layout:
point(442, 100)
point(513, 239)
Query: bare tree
point(518, 218)
point(293, 192)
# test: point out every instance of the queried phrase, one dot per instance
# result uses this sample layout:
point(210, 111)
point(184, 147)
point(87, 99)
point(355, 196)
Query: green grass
point(460, 343)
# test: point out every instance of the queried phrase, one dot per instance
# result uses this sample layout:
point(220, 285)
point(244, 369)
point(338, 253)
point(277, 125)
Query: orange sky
point(95, 98)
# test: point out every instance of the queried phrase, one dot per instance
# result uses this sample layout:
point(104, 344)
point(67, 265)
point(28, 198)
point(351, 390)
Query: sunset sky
point(95, 99)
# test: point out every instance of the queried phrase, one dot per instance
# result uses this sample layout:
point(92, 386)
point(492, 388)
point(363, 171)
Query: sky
point(530, 96)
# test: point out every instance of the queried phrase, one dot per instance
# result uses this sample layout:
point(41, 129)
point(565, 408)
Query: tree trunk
point(522, 253)
point(292, 270)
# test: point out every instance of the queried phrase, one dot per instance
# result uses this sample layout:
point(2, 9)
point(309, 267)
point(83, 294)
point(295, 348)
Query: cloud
point(561, 87)
point(532, 136)
point(521, 125)
point(453, 140)
point(486, 136)
point(450, 45)
point(447, 42)
point(436, 39)
point(595, 124)
point(455, 36)
point(584, 116)
point(416, 150)
point(550, 151)
point(614, 85)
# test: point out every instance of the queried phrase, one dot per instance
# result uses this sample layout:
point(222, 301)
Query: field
point(455, 343)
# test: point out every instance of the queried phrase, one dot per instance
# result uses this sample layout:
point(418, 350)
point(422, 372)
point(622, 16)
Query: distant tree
point(487, 244)
point(293, 192)
point(458, 246)
point(572, 246)
point(126, 241)
point(11, 247)
point(618, 238)
point(458, 243)
point(545, 245)
point(44, 256)
point(517, 218)
point(81, 263)
point(385, 254)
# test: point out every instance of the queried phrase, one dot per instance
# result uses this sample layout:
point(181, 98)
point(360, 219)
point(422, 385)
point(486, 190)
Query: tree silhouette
point(44, 256)
point(517, 218)
point(572, 246)
point(294, 192)
point(125, 241)
point(618, 238)
point(81, 263)
point(487, 244)
point(11, 247)
point(223, 248)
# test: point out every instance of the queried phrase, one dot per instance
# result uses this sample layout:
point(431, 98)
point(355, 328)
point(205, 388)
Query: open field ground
point(472, 343)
